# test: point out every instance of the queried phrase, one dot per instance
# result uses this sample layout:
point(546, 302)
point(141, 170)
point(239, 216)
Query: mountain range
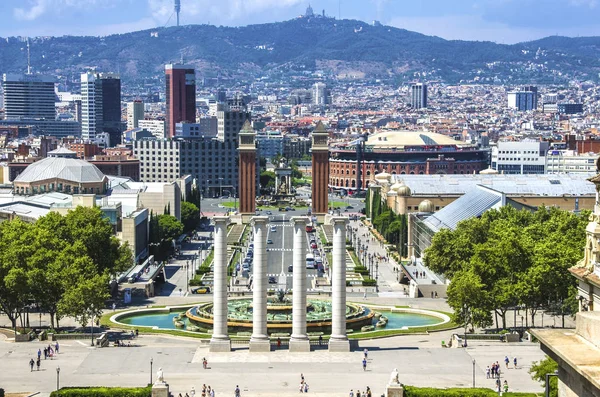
point(340, 48)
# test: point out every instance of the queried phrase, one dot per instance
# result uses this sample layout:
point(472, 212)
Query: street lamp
point(207, 187)
point(151, 361)
point(473, 373)
point(92, 329)
point(220, 188)
point(57, 377)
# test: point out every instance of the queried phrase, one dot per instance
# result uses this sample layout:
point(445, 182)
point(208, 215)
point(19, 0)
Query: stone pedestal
point(220, 339)
point(339, 340)
point(259, 342)
point(160, 390)
point(394, 391)
point(299, 341)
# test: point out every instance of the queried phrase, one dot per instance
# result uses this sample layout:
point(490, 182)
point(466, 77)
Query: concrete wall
point(157, 201)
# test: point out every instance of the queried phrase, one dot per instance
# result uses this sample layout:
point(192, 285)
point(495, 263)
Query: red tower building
point(320, 170)
point(181, 96)
point(247, 172)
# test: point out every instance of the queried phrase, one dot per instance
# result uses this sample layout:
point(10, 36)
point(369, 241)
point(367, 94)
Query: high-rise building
point(181, 96)
point(522, 100)
point(101, 105)
point(135, 113)
point(28, 96)
point(532, 88)
point(418, 96)
point(321, 95)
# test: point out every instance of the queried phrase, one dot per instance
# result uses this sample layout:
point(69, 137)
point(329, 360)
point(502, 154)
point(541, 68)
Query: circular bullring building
point(402, 152)
point(61, 172)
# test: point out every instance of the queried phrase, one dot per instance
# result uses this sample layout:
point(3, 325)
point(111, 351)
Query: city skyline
point(503, 22)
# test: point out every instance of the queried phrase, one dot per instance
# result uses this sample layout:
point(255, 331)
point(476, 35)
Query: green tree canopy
point(190, 216)
point(169, 227)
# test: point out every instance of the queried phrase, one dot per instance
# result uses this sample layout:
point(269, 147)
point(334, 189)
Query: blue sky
point(502, 21)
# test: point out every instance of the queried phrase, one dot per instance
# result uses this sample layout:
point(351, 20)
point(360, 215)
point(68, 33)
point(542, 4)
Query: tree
point(538, 372)
point(190, 216)
point(169, 227)
point(469, 299)
point(267, 181)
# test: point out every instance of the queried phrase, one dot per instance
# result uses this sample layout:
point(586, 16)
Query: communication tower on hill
point(177, 9)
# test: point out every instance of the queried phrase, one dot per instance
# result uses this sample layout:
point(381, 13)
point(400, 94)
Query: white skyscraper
point(88, 106)
point(321, 95)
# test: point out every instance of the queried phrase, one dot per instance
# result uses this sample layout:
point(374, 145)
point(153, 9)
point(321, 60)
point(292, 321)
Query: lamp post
point(377, 276)
point(92, 328)
point(207, 187)
point(151, 361)
point(547, 388)
point(57, 377)
point(220, 188)
point(473, 373)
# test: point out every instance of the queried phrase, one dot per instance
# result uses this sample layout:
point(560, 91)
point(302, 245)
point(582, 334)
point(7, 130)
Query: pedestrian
point(498, 385)
point(365, 295)
point(39, 353)
point(351, 393)
point(193, 392)
point(56, 347)
point(302, 377)
point(506, 361)
point(320, 339)
point(505, 386)
point(366, 353)
point(369, 392)
point(301, 387)
point(278, 342)
point(515, 362)
point(358, 393)
point(45, 353)
point(305, 387)
point(204, 363)
point(38, 363)
point(237, 391)
point(31, 362)
point(364, 363)
point(179, 395)
point(487, 372)
point(187, 395)
point(204, 390)
point(212, 392)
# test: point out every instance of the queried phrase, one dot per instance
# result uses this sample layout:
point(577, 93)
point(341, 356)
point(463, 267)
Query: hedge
point(103, 392)
point(411, 391)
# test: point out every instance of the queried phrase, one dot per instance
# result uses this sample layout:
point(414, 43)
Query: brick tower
point(247, 172)
point(320, 170)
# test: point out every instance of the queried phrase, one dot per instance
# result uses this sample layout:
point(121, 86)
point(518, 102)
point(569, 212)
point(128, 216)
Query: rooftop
point(67, 169)
point(399, 139)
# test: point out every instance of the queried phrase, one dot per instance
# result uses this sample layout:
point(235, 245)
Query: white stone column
point(259, 342)
point(338, 341)
point(299, 341)
point(220, 339)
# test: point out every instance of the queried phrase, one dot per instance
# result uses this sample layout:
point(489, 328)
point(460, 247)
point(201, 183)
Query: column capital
point(301, 220)
point(339, 220)
point(260, 220)
point(220, 219)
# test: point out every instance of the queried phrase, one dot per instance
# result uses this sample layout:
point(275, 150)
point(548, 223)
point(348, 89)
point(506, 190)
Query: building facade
point(135, 113)
point(155, 127)
point(522, 100)
point(568, 161)
point(418, 96)
point(28, 96)
point(524, 157)
point(180, 96)
point(101, 106)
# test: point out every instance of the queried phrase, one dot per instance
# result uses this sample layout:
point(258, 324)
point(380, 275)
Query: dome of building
point(396, 186)
point(426, 206)
point(398, 139)
point(382, 177)
point(403, 191)
point(489, 171)
point(61, 174)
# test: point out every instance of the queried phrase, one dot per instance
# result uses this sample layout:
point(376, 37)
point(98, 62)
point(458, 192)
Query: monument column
point(259, 342)
point(320, 171)
point(338, 341)
point(299, 341)
point(220, 339)
point(247, 168)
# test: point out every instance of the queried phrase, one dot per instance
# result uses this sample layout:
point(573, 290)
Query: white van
point(310, 261)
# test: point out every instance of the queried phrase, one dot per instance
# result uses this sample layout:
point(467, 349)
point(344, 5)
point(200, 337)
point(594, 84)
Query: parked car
point(272, 280)
point(310, 229)
point(269, 213)
point(269, 241)
point(313, 245)
point(290, 268)
point(273, 228)
point(201, 290)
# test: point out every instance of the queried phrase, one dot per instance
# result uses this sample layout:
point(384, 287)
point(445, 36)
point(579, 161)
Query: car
point(282, 209)
point(269, 213)
point(269, 241)
point(310, 229)
point(251, 245)
point(201, 290)
point(313, 246)
point(273, 228)
point(349, 207)
point(313, 241)
point(272, 280)
point(290, 268)
point(289, 209)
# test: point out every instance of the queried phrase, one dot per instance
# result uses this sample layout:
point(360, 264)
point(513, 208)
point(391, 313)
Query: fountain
point(279, 315)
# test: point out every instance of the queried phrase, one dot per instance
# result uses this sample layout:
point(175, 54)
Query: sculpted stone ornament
point(159, 376)
point(394, 377)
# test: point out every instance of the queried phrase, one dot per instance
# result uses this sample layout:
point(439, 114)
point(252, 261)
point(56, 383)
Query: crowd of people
point(494, 372)
point(48, 352)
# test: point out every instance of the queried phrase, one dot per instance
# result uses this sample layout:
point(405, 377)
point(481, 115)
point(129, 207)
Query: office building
point(212, 161)
point(135, 113)
point(569, 108)
point(180, 96)
point(533, 89)
point(321, 95)
point(101, 106)
point(522, 100)
point(28, 96)
point(46, 127)
point(418, 96)
point(205, 127)
point(524, 157)
point(568, 161)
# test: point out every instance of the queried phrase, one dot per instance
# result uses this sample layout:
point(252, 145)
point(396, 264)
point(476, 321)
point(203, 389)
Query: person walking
point(369, 392)
point(193, 392)
point(56, 347)
point(31, 363)
point(351, 393)
point(212, 392)
point(358, 393)
point(38, 363)
point(302, 378)
point(305, 387)
point(39, 353)
point(506, 361)
point(237, 391)
point(505, 386)
point(487, 372)
point(515, 362)
point(364, 363)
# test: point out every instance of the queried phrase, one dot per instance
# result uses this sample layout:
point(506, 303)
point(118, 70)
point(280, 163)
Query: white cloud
point(36, 8)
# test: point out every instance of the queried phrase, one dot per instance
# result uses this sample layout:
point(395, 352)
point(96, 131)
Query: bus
point(310, 261)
